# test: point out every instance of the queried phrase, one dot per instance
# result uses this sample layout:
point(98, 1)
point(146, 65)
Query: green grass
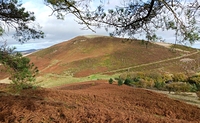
point(53, 80)
point(49, 81)
point(102, 77)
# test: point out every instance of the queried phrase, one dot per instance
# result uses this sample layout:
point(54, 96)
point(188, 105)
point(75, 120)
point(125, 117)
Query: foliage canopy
point(21, 71)
point(13, 16)
point(131, 17)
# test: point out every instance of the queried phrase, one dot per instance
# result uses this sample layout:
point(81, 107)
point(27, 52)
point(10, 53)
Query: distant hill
point(25, 52)
point(86, 55)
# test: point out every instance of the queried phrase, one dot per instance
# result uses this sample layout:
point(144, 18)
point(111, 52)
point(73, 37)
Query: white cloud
point(55, 30)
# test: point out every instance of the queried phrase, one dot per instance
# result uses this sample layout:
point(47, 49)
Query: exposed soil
point(95, 101)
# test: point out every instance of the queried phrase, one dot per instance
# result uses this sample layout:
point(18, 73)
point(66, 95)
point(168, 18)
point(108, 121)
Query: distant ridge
point(94, 36)
point(25, 52)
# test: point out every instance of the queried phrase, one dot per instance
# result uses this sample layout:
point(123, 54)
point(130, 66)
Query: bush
point(185, 87)
point(198, 86)
point(117, 79)
point(123, 76)
point(157, 77)
point(149, 83)
point(136, 79)
point(120, 82)
point(127, 81)
point(132, 75)
point(167, 77)
point(193, 88)
point(195, 80)
point(110, 81)
point(142, 83)
point(141, 75)
point(178, 87)
point(179, 77)
point(159, 85)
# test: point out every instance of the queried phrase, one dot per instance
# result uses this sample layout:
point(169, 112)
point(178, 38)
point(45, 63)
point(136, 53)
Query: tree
point(13, 16)
point(22, 72)
point(136, 17)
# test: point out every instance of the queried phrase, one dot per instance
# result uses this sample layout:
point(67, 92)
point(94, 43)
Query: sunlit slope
point(85, 55)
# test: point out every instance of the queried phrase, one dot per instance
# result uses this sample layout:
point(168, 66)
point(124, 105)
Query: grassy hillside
point(84, 55)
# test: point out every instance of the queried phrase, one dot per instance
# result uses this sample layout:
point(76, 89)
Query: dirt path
point(6, 80)
point(188, 97)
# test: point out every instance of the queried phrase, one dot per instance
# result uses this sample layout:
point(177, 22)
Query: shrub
point(178, 87)
point(120, 82)
point(195, 80)
point(142, 83)
point(179, 77)
point(193, 88)
point(149, 83)
point(155, 76)
point(159, 85)
point(167, 77)
point(110, 81)
point(123, 76)
point(141, 75)
point(127, 81)
point(136, 79)
point(117, 79)
point(132, 75)
point(185, 87)
point(198, 86)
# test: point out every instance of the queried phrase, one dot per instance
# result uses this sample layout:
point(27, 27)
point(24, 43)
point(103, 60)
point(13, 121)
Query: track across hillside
point(152, 63)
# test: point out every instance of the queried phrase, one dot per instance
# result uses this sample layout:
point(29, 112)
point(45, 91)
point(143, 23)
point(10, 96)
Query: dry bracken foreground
point(94, 101)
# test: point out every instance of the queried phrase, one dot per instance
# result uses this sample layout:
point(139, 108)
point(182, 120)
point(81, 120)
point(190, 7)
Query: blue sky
point(57, 31)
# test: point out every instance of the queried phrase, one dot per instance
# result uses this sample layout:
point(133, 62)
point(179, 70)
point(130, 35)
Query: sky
point(57, 31)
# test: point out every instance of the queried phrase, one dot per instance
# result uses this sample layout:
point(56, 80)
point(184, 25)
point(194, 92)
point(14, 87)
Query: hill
point(95, 58)
point(26, 52)
point(86, 55)
point(94, 101)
